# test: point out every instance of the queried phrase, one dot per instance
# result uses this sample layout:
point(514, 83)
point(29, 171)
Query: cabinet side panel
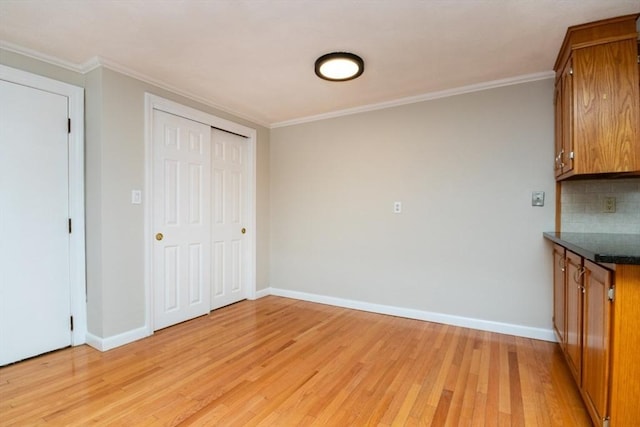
point(625, 378)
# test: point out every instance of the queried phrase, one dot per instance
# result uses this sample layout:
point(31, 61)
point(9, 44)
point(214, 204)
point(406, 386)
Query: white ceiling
point(255, 57)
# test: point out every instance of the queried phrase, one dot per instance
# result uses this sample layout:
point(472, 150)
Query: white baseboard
point(105, 344)
point(447, 319)
point(261, 293)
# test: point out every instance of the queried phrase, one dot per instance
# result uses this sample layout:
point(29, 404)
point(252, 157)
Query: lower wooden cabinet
point(596, 339)
point(574, 313)
point(559, 295)
point(596, 318)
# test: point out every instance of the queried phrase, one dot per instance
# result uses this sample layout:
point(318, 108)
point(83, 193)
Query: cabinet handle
point(577, 275)
point(562, 264)
point(559, 162)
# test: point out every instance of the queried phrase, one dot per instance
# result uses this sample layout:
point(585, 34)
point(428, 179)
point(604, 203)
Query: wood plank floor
point(282, 362)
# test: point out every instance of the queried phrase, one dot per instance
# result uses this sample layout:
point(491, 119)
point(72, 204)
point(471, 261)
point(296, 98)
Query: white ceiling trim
point(14, 48)
point(97, 61)
point(419, 98)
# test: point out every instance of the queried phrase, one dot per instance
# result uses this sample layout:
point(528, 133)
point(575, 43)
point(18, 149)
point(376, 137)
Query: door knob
point(159, 236)
point(243, 231)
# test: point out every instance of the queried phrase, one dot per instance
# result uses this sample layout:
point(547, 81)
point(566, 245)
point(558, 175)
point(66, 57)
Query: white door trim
point(154, 102)
point(77, 269)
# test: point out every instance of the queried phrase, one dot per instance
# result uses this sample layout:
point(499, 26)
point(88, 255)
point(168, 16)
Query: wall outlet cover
point(609, 205)
point(537, 198)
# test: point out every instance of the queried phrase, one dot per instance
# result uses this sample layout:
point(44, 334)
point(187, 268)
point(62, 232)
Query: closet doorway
point(200, 212)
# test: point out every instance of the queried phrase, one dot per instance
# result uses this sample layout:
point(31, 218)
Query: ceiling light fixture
point(339, 66)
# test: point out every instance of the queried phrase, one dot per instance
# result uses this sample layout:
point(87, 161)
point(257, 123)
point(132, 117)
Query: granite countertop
point(601, 247)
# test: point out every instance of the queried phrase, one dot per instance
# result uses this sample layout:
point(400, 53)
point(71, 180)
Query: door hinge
point(68, 125)
point(71, 322)
point(611, 294)
point(605, 422)
point(572, 155)
point(571, 71)
point(69, 225)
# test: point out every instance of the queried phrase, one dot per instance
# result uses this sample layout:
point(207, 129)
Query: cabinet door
point(557, 104)
point(596, 346)
point(567, 150)
point(605, 87)
point(559, 292)
point(574, 292)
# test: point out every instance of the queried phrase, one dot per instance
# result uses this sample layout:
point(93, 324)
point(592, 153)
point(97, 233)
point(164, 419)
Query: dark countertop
point(601, 247)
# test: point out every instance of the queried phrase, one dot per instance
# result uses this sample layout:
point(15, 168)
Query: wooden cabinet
point(596, 318)
point(567, 307)
point(596, 339)
point(564, 119)
point(559, 295)
point(574, 312)
point(597, 100)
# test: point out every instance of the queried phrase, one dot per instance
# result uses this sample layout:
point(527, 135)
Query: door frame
point(77, 255)
point(154, 102)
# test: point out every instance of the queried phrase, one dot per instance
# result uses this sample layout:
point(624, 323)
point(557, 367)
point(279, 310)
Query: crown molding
point(419, 98)
point(30, 53)
point(98, 61)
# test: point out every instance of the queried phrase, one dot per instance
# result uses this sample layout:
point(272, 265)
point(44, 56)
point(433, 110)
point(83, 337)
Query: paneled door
point(181, 219)
point(35, 287)
point(230, 215)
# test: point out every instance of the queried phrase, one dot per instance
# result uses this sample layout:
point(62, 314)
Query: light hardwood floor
point(282, 362)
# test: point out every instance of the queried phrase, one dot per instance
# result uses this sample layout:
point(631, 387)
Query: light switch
point(136, 197)
point(397, 207)
point(537, 198)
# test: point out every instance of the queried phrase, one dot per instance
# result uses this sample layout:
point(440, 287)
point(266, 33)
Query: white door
point(35, 288)
point(230, 215)
point(181, 218)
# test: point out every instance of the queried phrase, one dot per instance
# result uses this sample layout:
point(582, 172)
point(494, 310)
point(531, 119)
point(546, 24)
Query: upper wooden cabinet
point(597, 99)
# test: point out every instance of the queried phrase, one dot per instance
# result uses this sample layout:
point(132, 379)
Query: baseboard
point(447, 319)
point(261, 293)
point(105, 344)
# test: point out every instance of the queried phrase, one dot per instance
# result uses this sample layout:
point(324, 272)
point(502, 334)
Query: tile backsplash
point(583, 204)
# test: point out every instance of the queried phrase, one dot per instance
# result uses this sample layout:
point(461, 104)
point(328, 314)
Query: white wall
point(468, 243)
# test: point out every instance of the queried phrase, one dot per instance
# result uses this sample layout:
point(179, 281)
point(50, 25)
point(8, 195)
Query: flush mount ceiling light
point(339, 66)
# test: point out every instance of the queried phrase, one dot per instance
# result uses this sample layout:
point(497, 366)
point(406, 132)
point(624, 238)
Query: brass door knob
point(159, 236)
point(243, 231)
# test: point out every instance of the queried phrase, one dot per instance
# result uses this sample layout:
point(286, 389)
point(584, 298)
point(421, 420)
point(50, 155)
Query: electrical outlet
point(609, 205)
point(397, 207)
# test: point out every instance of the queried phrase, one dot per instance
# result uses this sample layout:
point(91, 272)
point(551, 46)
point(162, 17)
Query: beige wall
point(114, 163)
point(468, 243)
